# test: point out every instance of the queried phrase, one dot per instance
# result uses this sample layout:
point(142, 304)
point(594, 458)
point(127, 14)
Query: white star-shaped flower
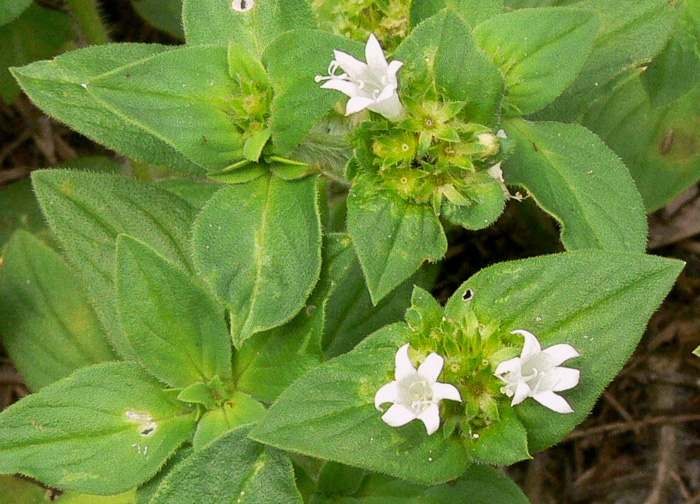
point(415, 393)
point(537, 374)
point(371, 85)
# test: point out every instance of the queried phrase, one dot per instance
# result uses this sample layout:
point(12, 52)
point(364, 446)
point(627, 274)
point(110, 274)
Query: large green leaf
point(660, 146)
point(231, 469)
point(176, 329)
point(539, 52)
point(632, 32)
point(216, 22)
point(601, 309)
point(676, 70)
point(471, 11)
point(479, 485)
point(47, 324)
point(461, 70)
point(88, 211)
point(259, 246)
point(330, 412)
point(155, 104)
point(37, 33)
point(165, 15)
point(392, 236)
point(581, 182)
point(74, 433)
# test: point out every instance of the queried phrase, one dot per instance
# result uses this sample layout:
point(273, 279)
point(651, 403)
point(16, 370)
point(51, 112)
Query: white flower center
point(416, 393)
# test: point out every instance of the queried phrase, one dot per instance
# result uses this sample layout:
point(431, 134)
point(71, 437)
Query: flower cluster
point(416, 394)
point(425, 151)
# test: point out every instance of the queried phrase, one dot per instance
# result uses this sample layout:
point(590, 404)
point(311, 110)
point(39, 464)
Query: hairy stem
point(88, 17)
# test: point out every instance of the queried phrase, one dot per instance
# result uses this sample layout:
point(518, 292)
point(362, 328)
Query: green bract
point(221, 335)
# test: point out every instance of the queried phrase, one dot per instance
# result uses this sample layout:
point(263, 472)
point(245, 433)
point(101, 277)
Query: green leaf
point(11, 9)
point(37, 33)
point(145, 492)
point(240, 410)
point(632, 32)
point(176, 329)
point(14, 490)
point(231, 468)
point(143, 101)
point(47, 325)
point(471, 11)
point(676, 70)
point(78, 498)
point(392, 236)
point(503, 442)
point(486, 203)
point(259, 247)
point(577, 179)
point(293, 60)
point(329, 413)
point(660, 146)
point(272, 360)
point(180, 97)
point(47, 81)
point(74, 433)
point(20, 210)
point(478, 485)
point(601, 309)
point(539, 52)
point(166, 15)
point(87, 212)
point(215, 22)
point(463, 72)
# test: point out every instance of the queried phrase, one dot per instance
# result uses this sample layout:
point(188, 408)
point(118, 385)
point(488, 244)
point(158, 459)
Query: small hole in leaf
point(468, 295)
point(146, 426)
point(242, 5)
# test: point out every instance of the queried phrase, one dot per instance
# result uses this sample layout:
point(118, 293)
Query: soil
point(641, 443)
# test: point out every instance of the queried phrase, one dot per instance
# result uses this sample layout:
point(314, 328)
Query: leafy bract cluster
point(222, 335)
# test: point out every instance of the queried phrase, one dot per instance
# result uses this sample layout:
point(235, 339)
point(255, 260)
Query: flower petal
point(567, 378)
point(431, 367)
point(346, 87)
point(350, 65)
point(398, 415)
point(553, 401)
point(404, 368)
point(391, 72)
point(374, 55)
point(532, 347)
point(513, 365)
point(560, 353)
point(388, 393)
point(521, 393)
point(390, 108)
point(445, 391)
point(357, 104)
point(431, 418)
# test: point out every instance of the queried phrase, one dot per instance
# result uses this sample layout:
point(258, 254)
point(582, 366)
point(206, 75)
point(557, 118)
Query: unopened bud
point(490, 144)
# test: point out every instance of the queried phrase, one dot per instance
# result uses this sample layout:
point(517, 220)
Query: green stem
point(88, 17)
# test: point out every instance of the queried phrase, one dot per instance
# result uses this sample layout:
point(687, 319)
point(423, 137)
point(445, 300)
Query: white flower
point(415, 394)
point(537, 374)
point(370, 85)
